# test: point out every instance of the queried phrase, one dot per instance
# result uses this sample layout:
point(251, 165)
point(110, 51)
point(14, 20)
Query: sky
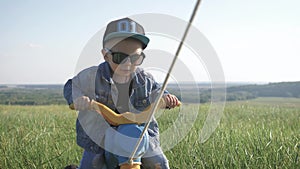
point(255, 41)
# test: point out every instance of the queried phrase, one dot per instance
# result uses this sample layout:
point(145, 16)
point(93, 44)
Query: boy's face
point(127, 46)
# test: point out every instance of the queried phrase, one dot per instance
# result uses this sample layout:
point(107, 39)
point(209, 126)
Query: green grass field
point(260, 133)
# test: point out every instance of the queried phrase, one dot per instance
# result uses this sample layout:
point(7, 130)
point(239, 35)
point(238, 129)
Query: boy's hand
point(171, 101)
point(82, 103)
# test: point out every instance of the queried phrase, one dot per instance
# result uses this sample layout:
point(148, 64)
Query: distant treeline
point(31, 95)
point(53, 94)
point(241, 92)
point(282, 89)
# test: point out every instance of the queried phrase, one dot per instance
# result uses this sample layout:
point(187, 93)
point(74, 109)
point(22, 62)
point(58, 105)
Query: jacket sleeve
point(82, 84)
point(155, 87)
point(68, 91)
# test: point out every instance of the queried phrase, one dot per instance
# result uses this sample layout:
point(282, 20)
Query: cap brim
point(142, 38)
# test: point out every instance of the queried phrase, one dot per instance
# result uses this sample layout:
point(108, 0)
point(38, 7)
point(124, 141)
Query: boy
point(119, 84)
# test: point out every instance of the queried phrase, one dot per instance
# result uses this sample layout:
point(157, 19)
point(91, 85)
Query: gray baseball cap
point(125, 28)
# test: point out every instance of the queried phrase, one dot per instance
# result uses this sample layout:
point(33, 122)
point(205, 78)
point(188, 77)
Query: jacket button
point(144, 101)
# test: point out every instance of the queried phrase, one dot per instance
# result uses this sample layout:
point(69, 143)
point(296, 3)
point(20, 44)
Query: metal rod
point(164, 86)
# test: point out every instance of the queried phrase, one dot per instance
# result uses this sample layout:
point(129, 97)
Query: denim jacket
point(96, 83)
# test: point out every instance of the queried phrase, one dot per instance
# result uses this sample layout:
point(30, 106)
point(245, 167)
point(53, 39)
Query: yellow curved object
point(125, 118)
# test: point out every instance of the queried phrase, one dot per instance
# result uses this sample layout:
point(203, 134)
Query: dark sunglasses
point(119, 57)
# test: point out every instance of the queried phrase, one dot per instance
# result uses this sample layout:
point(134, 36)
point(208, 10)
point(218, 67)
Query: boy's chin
point(124, 73)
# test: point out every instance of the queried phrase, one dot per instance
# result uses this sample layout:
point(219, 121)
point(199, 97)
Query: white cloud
point(34, 45)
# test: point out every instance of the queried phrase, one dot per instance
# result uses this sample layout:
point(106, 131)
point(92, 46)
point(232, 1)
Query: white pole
point(156, 103)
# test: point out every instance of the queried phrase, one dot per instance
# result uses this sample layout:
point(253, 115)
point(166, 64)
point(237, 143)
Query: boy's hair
point(125, 28)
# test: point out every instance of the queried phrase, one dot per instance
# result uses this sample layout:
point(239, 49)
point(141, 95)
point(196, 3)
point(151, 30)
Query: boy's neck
point(120, 79)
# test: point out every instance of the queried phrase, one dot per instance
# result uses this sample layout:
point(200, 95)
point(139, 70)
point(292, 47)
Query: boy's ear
point(104, 53)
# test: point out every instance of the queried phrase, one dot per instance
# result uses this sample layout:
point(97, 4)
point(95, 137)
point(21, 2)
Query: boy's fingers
point(81, 103)
point(171, 101)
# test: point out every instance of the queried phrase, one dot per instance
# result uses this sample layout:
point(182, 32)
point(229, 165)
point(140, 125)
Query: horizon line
point(182, 82)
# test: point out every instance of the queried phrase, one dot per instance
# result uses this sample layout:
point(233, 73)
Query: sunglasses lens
point(135, 59)
point(118, 57)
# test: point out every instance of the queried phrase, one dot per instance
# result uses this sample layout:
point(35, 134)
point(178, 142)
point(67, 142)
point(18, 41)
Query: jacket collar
point(104, 71)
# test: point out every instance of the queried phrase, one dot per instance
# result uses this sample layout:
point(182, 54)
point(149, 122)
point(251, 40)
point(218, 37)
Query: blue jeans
point(91, 161)
point(119, 143)
point(96, 161)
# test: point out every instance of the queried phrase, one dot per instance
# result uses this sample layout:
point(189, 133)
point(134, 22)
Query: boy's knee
point(98, 161)
point(155, 162)
point(158, 166)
